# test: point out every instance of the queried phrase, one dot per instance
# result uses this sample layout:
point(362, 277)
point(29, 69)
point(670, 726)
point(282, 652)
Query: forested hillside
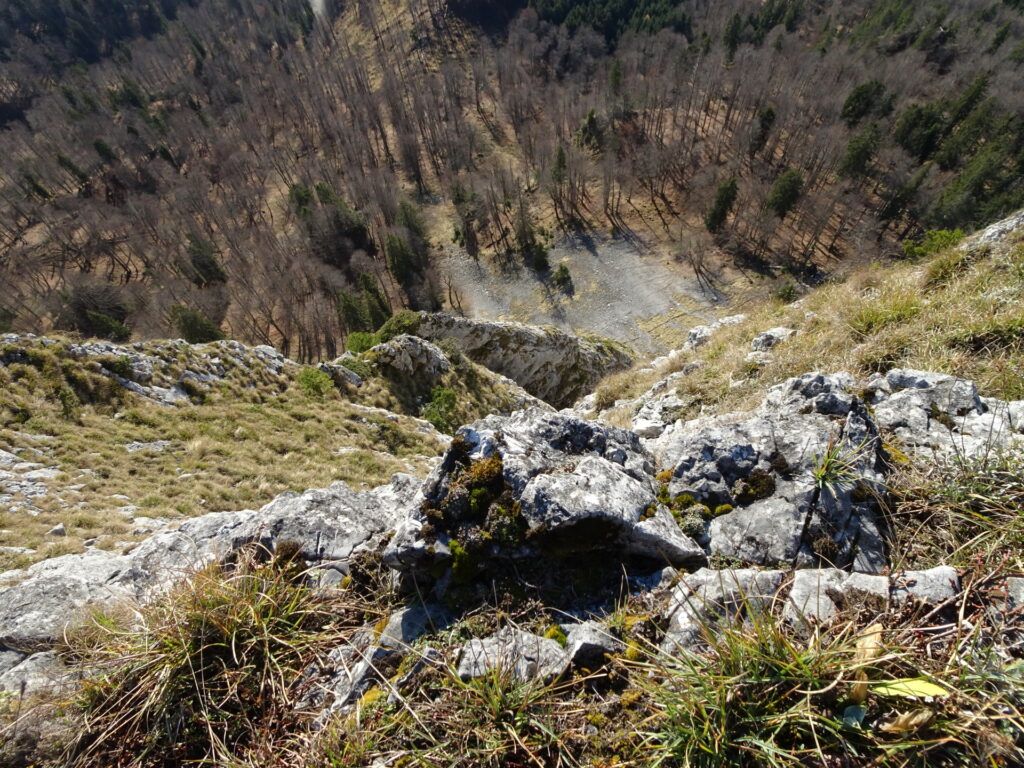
point(286, 174)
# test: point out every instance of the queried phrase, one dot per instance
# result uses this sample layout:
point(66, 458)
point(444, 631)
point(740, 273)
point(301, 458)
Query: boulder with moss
point(795, 476)
point(537, 487)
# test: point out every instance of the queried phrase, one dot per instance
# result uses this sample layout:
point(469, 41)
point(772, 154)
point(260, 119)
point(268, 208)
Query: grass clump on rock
point(209, 673)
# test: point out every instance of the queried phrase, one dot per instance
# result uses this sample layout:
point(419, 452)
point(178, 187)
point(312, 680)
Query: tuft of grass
point(762, 695)
point(493, 721)
point(211, 673)
point(947, 267)
point(876, 314)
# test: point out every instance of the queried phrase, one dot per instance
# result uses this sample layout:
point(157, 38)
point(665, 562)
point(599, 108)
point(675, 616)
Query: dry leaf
point(869, 644)
point(869, 647)
point(908, 721)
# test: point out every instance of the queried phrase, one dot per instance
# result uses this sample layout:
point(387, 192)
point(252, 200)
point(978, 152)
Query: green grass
point(762, 695)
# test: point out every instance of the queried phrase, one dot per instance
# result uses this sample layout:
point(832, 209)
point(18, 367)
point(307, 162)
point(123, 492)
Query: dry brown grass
point(969, 323)
point(237, 450)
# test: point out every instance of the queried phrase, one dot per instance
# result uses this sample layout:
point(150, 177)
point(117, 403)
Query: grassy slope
point(254, 436)
point(958, 312)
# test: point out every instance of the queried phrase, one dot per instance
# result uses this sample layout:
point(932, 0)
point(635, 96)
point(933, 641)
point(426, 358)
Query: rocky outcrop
point(703, 601)
point(327, 526)
point(411, 357)
point(555, 366)
point(935, 414)
point(537, 484)
point(787, 485)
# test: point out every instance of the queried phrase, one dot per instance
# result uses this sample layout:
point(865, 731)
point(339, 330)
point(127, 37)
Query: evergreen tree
point(378, 310)
point(732, 37)
point(860, 151)
point(765, 121)
point(865, 99)
point(786, 192)
point(725, 198)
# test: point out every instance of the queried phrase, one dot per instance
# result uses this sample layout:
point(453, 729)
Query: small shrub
point(315, 382)
point(933, 241)
point(787, 293)
point(561, 279)
point(105, 327)
point(403, 322)
point(122, 366)
point(194, 326)
point(360, 341)
point(360, 368)
point(68, 400)
point(440, 411)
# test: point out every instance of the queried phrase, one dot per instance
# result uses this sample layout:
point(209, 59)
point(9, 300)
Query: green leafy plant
point(440, 411)
point(933, 241)
point(358, 342)
point(314, 382)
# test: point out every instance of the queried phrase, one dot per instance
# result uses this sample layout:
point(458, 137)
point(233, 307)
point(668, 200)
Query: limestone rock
point(590, 644)
point(819, 594)
point(328, 525)
point(930, 587)
point(10, 659)
point(700, 335)
point(704, 600)
point(412, 357)
point(37, 603)
point(345, 676)
point(38, 673)
point(512, 651)
point(582, 484)
point(997, 232)
point(555, 366)
point(341, 374)
point(408, 624)
point(765, 340)
point(935, 414)
point(767, 532)
point(764, 465)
